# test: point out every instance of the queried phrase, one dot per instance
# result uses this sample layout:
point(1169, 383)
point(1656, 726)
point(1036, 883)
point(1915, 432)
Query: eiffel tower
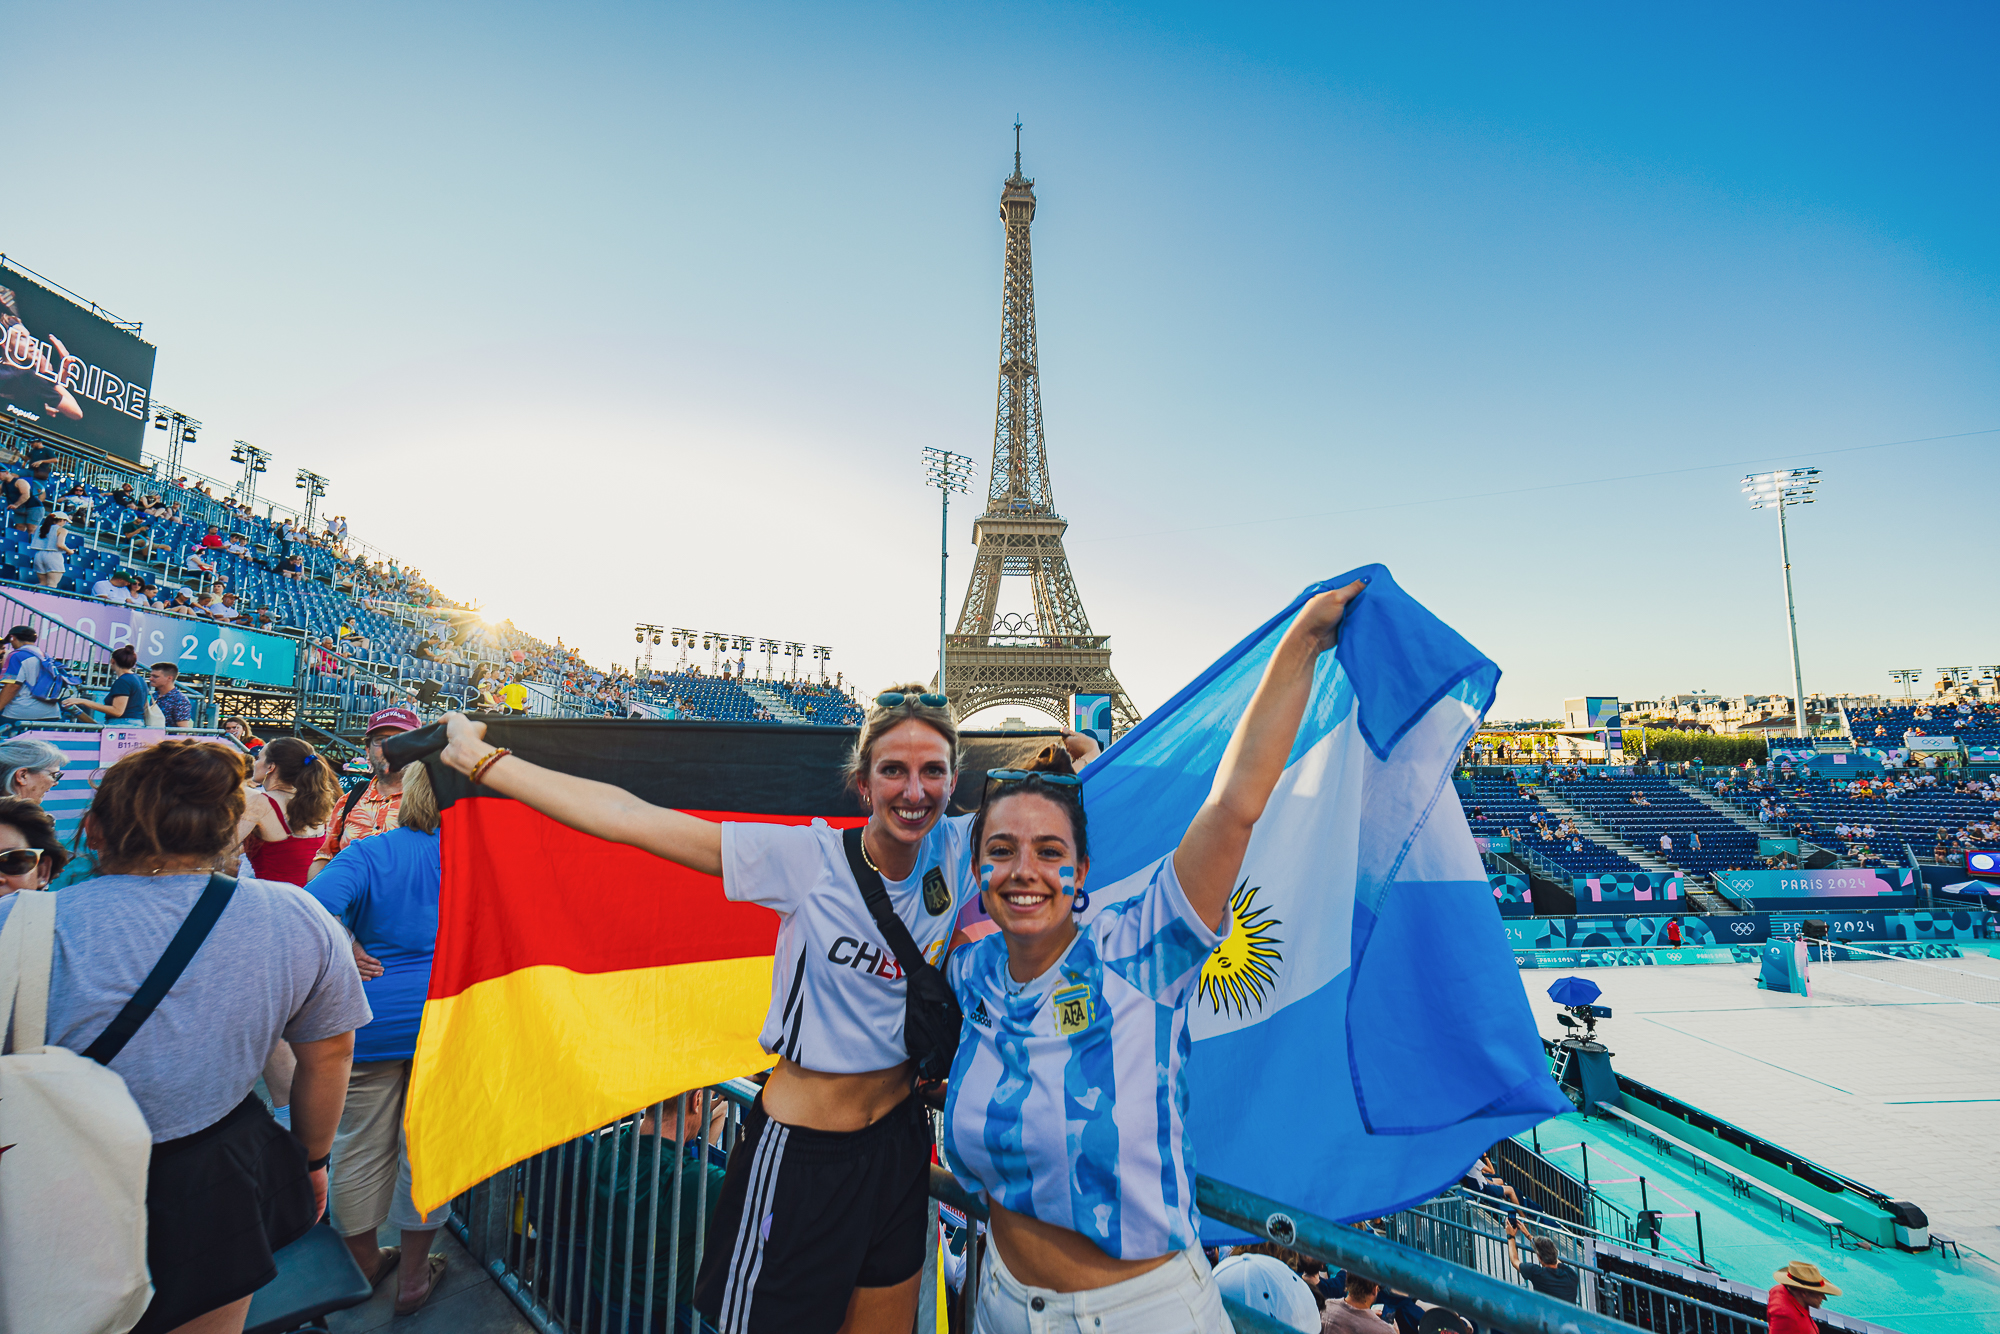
point(1043, 657)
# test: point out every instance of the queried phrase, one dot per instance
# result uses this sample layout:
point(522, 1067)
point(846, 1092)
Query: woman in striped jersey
point(1068, 1097)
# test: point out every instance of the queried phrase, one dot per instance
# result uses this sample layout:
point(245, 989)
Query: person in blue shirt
point(25, 665)
point(384, 890)
point(1068, 1098)
point(125, 701)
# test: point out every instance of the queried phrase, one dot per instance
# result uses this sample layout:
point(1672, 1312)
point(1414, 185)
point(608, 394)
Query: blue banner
point(1831, 889)
point(1724, 929)
point(1626, 886)
point(198, 646)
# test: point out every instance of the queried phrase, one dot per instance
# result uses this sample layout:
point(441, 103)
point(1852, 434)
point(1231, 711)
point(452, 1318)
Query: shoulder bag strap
point(26, 946)
point(180, 952)
point(876, 895)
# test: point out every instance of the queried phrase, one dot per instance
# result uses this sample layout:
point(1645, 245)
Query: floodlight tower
point(1907, 678)
point(180, 429)
point(1777, 490)
point(314, 486)
point(949, 473)
point(820, 655)
point(254, 461)
point(639, 633)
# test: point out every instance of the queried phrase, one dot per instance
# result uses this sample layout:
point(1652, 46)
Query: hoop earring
point(1082, 901)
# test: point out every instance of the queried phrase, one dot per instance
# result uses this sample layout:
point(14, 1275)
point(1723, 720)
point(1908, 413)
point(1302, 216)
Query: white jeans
point(1177, 1298)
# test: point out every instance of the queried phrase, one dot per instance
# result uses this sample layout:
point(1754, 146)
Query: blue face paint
point(985, 878)
point(1082, 901)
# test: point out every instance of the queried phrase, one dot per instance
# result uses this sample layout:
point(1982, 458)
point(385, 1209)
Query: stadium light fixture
point(949, 473)
point(314, 486)
point(639, 633)
point(1907, 678)
point(1779, 491)
point(180, 430)
point(254, 461)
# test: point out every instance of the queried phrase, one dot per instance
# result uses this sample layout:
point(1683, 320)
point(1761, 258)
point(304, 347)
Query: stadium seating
point(332, 594)
point(1982, 724)
point(1725, 844)
point(1496, 807)
point(1911, 817)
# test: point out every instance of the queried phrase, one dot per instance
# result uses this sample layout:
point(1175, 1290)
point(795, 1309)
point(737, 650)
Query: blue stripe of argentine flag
point(1377, 1038)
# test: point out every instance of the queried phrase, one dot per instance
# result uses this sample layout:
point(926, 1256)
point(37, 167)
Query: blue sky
point(600, 313)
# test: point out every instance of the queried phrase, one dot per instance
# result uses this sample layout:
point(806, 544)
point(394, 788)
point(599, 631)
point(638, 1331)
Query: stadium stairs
point(780, 707)
point(1602, 834)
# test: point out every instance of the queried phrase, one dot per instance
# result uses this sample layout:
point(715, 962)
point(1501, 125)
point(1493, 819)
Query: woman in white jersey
point(1068, 1100)
point(821, 1223)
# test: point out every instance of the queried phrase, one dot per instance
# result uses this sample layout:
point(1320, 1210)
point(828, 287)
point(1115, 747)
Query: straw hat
point(1799, 1274)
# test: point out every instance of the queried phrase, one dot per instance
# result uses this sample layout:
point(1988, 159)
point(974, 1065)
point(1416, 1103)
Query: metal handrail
point(544, 1234)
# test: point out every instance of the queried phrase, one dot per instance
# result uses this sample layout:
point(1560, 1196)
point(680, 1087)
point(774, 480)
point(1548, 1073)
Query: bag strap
point(180, 952)
point(353, 800)
point(25, 949)
point(876, 895)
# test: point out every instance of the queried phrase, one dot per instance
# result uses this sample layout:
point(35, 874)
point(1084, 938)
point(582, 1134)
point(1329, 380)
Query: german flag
point(577, 980)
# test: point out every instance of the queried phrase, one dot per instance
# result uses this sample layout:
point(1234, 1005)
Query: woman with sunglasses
point(31, 856)
point(821, 1222)
point(1068, 1096)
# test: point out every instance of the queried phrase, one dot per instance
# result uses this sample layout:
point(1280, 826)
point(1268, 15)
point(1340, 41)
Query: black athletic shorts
point(219, 1204)
point(807, 1216)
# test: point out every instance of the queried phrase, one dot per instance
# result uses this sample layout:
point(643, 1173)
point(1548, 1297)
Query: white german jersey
point(1068, 1100)
point(837, 994)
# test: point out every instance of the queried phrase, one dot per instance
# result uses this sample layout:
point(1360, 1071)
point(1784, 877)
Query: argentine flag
point(1361, 1036)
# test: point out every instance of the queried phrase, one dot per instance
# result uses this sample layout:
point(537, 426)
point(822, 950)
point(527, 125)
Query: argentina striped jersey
point(1068, 1102)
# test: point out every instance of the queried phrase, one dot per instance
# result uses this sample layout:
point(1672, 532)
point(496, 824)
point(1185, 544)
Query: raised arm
point(598, 809)
point(1211, 852)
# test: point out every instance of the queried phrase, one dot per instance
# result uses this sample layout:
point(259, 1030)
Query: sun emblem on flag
point(1242, 968)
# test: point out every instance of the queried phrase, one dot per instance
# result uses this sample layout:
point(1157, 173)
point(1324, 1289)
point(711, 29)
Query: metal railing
point(607, 1232)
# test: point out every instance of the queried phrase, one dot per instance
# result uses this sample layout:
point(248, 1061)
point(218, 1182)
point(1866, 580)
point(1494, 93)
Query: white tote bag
point(73, 1174)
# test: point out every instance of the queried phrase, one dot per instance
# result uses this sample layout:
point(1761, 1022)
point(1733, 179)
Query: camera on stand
point(1583, 1017)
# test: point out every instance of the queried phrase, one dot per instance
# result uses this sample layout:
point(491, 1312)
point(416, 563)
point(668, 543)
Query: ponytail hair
point(315, 791)
point(51, 521)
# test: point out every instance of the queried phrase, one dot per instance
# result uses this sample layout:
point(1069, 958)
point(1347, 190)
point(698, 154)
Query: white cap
point(1267, 1285)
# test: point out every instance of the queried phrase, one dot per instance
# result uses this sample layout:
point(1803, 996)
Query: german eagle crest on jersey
point(937, 896)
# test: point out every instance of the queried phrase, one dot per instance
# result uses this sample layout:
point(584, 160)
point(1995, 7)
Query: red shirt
point(212, 541)
point(1789, 1315)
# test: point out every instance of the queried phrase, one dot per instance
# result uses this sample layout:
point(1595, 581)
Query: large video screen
point(71, 372)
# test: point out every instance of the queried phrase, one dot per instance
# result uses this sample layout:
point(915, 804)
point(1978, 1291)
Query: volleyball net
point(1857, 975)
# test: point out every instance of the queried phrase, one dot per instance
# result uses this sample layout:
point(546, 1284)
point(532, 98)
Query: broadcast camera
point(1585, 1018)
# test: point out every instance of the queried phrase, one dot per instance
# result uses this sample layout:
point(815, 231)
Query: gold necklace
point(866, 858)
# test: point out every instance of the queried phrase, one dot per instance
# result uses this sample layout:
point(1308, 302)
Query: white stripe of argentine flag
point(1362, 1035)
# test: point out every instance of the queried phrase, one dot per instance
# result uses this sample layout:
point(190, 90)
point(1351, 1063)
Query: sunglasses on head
point(996, 779)
point(889, 699)
point(19, 861)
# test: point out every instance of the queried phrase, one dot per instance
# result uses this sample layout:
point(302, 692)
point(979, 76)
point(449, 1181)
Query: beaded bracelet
point(486, 762)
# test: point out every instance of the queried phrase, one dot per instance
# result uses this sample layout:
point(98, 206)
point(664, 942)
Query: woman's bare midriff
point(1042, 1255)
point(815, 1100)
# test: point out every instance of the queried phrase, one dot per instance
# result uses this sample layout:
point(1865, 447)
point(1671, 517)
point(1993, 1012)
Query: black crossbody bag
point(932, 1018)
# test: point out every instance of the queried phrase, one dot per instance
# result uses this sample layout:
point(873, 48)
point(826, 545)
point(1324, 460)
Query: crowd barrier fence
point(604, 1234)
